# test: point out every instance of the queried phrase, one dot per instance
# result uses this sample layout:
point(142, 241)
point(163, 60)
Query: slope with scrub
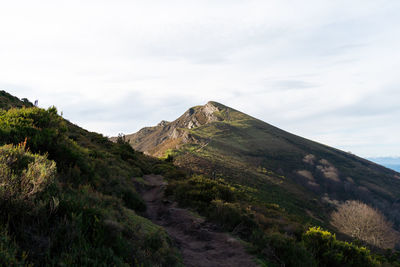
point(67, 196)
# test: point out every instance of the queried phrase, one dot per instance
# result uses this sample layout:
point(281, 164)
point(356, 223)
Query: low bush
point(22, 174)
point(232, 217)
point(199, 191)
point(331, 252)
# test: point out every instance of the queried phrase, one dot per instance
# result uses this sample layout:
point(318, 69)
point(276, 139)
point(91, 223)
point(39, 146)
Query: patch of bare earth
point(200, 242)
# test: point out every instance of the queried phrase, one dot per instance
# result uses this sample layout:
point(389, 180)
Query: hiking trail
point(200, 242)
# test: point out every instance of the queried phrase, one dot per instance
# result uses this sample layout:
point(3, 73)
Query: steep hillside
point(302, 176)
point(68, 197)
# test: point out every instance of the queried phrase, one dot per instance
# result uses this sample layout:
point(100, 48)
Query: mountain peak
point(169, 135)
point(199, 115)
point(216, 105)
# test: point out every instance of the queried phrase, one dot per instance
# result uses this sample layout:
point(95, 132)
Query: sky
point(325, 70)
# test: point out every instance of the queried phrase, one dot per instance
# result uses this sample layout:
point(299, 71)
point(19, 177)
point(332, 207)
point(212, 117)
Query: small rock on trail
point(200, 243)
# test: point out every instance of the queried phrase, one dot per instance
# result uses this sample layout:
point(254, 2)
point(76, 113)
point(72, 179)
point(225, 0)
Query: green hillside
point(67, 196)
point(301, 175)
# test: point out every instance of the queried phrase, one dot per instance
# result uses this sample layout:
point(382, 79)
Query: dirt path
point(200, 243)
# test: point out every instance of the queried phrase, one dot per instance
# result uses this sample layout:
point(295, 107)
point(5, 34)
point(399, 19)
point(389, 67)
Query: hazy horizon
point(323, 70)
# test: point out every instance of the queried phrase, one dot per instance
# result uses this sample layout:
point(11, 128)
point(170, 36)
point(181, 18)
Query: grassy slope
point(90, 214)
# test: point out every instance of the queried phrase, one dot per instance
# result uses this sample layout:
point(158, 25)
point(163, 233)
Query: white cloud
point(327, 70)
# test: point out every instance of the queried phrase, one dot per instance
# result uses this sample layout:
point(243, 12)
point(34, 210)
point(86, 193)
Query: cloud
point(326, 70)
point(291, 84)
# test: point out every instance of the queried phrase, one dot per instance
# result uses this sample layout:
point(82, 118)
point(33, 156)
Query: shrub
point(23, 174)
point(331, 252)
point(365, 223)
point(232, 217)
point(199, 191)
point(133, 201)
point(42, 128)
point(288, 252)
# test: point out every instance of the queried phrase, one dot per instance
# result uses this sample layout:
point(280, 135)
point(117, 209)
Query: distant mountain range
point(298, 174)
point(389, 162)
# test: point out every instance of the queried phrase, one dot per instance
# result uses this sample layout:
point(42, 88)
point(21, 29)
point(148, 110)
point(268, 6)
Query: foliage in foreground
point(22, 174)
point(67, 197)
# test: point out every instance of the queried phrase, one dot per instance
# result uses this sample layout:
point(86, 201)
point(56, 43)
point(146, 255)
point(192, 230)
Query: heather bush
point(22, 174)
point(200, 191)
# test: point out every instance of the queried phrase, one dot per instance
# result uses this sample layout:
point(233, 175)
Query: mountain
point(389, 162)
point(302, 176)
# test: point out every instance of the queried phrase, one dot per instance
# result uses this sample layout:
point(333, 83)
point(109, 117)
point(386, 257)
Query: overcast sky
point(325, 70)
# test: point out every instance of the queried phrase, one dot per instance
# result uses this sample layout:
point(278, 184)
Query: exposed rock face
point(198, 116)
point(169, 135)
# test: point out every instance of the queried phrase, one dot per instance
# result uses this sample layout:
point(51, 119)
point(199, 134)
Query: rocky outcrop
point(170, 135)
point(199, 116)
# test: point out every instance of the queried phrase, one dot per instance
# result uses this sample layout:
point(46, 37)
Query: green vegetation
point(274, 236)
point(232, 206)
point(67, 196)
point(330, 252)
point(23, 175)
